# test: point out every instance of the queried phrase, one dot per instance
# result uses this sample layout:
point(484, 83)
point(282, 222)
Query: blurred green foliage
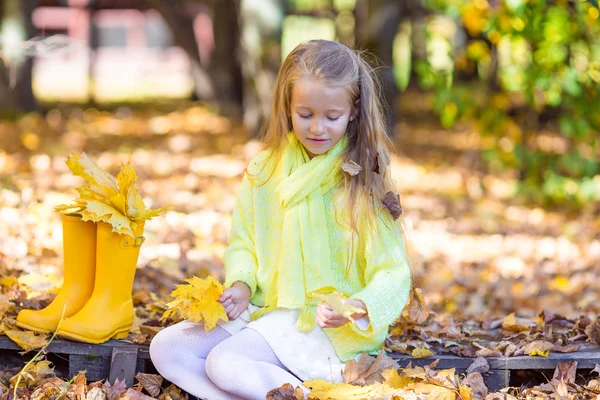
point(528, 71)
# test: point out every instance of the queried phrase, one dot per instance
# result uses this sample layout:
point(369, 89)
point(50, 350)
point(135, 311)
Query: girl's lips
point(317, 141)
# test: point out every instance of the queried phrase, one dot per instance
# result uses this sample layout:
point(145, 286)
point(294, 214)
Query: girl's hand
point(235, 299)
point(326, 317)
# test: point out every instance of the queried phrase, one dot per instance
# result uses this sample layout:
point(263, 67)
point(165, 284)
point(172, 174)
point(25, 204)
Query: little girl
point(302, 224)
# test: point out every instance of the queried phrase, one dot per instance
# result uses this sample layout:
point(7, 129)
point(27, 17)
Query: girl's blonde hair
point(334, 64)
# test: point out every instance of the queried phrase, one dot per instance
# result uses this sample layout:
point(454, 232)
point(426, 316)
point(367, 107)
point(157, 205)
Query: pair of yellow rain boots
point(99, 267)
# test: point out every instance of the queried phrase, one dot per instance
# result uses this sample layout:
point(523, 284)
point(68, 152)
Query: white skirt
point(307, 355)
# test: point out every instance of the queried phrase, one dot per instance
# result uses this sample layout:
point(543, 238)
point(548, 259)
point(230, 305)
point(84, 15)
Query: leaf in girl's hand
point(198, 301)
point(337, 301)
point(351, 168)
point(391, 201)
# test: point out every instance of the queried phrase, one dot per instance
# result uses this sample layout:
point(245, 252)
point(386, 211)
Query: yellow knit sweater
point(373, 269)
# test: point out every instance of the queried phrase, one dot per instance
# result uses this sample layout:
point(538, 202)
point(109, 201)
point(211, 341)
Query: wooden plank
point(96, 368)
point(586, 358)
point(497, 379)
point(63, 346)
point(123, 365)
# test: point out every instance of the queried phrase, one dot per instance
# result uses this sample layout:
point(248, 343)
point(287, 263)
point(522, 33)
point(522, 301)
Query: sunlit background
point(493, 109)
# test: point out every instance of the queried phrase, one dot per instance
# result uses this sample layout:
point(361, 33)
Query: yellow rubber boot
point(109, 311)
point(79, 248)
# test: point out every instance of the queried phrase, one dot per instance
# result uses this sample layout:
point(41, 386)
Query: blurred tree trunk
point(221, 83)
point(383, 20)
point(183, 34)
point(260, 46)
point(16, 90)
point(225, 69)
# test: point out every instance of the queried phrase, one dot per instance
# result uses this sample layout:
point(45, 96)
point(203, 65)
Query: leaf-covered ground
point(479, 254)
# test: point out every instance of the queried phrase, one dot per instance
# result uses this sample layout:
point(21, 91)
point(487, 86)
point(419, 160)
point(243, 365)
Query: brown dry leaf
point(500, 396)
point(78, 387)
point(96, 393)
point(421, 353)
point(50, 388)
point(367, 369)
point(593, 332)
point(510, 350)
point(27, 340)
point(34, 375)
point(391, 201)
point(418, 311)
point(114, 391)
point(485, 352)
point(150, 382)
point(172, 392)
point(565, 371)
point(376, 164)
point(477, 384)
point(567, 348)
point(538, 348)
point(351, 168)
point(132, 394)
point(286, 392)
point(479, 365)
point(150, 330)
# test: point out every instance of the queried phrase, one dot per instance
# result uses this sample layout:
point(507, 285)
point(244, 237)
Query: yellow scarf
point(303, 262)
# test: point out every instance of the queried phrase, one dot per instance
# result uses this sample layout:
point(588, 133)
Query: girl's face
point(320, 114)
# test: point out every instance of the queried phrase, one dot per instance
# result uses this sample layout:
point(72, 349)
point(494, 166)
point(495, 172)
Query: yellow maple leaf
point(98, 211)
point(119, 202)
point(466, 392)
point(99, 180)
point(198, 301)
point(393, 379)
point(337, 301)
point(421, 353)
point(27, 340)
point(126, 178)
point(514, 324)
point(434, 392)
point(323, 390)
point(73, 208)
point(8, 281)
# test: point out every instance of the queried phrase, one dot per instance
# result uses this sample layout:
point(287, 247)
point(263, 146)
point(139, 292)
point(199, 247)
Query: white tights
point(217, 365)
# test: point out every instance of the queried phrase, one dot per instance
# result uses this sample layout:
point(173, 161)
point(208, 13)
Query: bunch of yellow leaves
point(198, 301)
point(106, 199)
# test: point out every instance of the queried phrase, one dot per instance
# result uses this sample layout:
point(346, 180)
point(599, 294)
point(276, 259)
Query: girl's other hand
point(235, 299)
point(326, 317)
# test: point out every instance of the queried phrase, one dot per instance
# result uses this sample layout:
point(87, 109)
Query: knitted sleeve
point(387, 276)
point(240, 256)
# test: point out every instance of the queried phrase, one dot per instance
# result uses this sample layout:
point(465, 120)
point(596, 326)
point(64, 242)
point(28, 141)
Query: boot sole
point(32, 328)
point(119, 334)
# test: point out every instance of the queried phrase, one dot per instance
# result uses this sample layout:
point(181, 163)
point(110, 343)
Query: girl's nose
point(317, 127)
